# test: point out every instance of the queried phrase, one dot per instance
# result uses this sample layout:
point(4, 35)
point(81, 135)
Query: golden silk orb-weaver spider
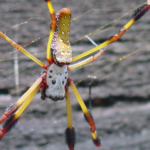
point(54, 82)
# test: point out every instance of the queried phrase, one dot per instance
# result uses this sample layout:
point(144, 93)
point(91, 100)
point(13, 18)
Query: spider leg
point(11, 116)
point(52, 29)
point(43, 85)
point(85, 61)
point(70, 131)
point(92, 58)
point(23, 50)
point(87, 114)
point(137, 15)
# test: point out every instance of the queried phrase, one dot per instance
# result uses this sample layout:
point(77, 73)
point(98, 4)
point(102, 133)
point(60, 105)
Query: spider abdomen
point(56, 80)
point(60, 48)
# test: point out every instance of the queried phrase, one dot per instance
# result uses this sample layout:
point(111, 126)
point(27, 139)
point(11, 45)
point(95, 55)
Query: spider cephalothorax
point(56, 81)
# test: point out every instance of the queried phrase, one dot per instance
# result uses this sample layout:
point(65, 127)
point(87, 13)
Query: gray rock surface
point(120, 93)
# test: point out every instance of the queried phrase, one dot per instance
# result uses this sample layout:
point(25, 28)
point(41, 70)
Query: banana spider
point(54, 82)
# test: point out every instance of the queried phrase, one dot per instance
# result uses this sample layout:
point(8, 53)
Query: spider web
point(122, 72)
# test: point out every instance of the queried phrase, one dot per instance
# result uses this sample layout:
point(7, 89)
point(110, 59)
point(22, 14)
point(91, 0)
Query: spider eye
point(53, 81)
point(63, 82)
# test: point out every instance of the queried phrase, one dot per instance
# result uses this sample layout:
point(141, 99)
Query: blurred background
point(120, 77)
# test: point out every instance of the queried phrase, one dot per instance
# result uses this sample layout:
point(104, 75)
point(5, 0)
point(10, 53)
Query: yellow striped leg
point(70, 131)
point(15, 106)
point(52, 29)
point(88, 116)
point(90, 59)
point(137, 15)
point(13, 116)
point(23, 50)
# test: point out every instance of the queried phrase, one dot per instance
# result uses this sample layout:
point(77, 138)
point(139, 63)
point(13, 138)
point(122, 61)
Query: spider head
point(60, 48)
point(56, 81)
